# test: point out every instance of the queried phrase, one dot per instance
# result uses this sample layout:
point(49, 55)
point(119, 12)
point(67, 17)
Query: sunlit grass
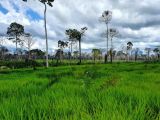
point(122, 91)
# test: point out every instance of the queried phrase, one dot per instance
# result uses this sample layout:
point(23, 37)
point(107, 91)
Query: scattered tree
point(113, 54)
point(136, 53)
point(62, 45)
point(112, 33)
point(77, 35)
point(96, 54)
point(14, 31)
point(157, 52)
point(28, 43)
point(106, 18)
point(45, 2)
point(129, 48)
point(75, 54)
point(37, 53)
point(71, 43)
point(3, 51)
point(148, 50)
point(58, 54)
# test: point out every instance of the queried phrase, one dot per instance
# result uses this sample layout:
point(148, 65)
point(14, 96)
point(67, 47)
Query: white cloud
point(136, 21)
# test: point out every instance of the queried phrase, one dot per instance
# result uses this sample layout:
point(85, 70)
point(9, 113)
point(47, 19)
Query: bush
point(21, 64)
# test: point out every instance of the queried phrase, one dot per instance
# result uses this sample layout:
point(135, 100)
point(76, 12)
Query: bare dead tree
point(28, 43)
point(129, 48)
point(112, 33)
point(106, 18)
point(148, 50)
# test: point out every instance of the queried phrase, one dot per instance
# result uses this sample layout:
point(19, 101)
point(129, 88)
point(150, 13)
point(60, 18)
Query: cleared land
point(121, 91)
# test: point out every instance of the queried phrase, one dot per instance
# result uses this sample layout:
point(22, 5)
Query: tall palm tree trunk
point(45, 21)
point(106, 55)
point(128, 57)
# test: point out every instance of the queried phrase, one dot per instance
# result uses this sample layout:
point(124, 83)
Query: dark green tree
point(62, 45)
point(77, 35)
point(37, 53)
point(157, 52)
point(14, 32)
point(3, 51)
point(58, 54)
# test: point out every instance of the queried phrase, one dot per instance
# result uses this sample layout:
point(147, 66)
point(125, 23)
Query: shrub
point(21, 64)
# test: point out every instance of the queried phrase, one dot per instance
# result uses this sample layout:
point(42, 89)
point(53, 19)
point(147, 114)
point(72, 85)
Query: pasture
point(119, 91)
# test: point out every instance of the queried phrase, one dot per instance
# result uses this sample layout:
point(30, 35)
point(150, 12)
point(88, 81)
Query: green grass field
point(121, 91)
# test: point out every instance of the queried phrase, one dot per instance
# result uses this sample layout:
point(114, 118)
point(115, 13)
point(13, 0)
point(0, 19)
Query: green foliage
point(15, 29)
point(74, 34)
point(122, 91)
point(49, 2)
point(21, 64)
point(37, 52)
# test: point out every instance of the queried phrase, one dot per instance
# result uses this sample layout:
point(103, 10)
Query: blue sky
point(15, 7)
point(32, 15)
point(138, 24)
point(3, 10)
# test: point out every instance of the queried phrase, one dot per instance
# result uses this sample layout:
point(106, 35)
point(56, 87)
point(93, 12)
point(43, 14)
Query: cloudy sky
point(137, 21)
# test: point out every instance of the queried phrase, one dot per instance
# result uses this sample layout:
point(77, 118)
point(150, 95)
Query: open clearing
point(121, 91)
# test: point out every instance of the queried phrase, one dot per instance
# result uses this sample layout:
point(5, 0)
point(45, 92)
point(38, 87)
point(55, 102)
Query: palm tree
point(106, 18)
point(129, 48)
point(77, 35)
point(45, 2)
point(14, 31)
point(49, 2)
point(82, 33)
